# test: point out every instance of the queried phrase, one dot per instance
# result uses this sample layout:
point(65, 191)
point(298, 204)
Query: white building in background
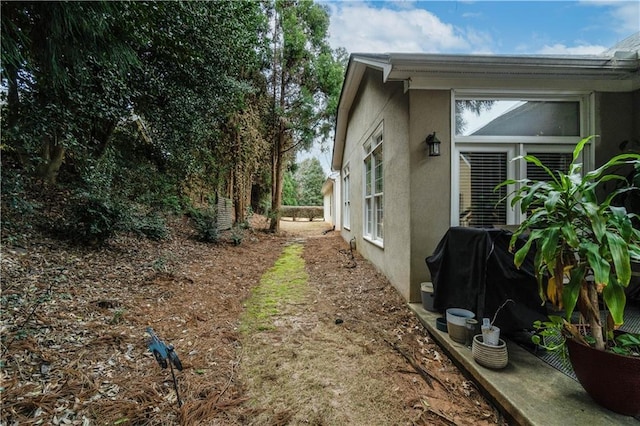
point(331, 194)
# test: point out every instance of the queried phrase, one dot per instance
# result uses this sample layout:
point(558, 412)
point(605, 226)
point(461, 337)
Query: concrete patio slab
point(528, 391)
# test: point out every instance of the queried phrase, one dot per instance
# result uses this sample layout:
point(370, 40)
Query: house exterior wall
point(328, 202)
point(337, 203)
point(386, 104)
point(617, 120)
point(415, 101)
point(418, 187)
point(430, 178)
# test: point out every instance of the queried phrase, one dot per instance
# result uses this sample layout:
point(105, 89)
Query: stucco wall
point(417, 188)
point(328, 204)
point(618, 120)
point(387, 104)
point(430, 179)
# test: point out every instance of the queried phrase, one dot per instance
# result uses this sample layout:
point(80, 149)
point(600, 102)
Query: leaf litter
point(74, 347)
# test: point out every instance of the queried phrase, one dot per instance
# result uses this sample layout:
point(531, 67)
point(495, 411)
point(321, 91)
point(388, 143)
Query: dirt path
point(336, 356)
point(74, 343)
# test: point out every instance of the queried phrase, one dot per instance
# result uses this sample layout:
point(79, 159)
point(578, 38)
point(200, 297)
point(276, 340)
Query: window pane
point(555, 161)
point(346, 189)
point(346, 212)
point(369, 214)
point(379, 217)
point(494, 117)
point(379, 178)
point(480, 173)
point(367, 176)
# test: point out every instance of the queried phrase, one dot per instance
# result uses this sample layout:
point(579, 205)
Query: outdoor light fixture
point(434, 145)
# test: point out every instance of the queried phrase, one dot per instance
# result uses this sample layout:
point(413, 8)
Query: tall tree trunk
point(276, 156)
point(52, 158)
point(238, 178)
point(278, 177)
point(101, 133)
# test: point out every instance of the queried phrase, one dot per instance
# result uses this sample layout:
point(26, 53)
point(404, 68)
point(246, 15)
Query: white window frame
point(517, 145)
point(370, 146)
point(346, 195)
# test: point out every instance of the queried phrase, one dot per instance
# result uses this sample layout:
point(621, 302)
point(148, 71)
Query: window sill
point(377, 243)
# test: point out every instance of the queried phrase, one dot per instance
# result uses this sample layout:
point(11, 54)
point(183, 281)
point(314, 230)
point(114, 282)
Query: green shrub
point(206, 224)
point(13, 193)
point(237, 235)
point(93, 219)
point(17, 209)
point(294, 212)
point(152, 226)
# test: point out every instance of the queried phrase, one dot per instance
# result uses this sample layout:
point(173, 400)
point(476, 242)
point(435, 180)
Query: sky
point(586, 27)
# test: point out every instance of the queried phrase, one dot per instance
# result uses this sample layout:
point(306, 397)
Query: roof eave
point(621, 73)
point(358, 63)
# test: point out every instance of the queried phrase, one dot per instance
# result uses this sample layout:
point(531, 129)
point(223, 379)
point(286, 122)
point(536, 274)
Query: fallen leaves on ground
point(74, 347)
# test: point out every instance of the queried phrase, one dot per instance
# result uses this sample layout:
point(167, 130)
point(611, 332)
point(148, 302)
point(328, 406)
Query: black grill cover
point(473, 269)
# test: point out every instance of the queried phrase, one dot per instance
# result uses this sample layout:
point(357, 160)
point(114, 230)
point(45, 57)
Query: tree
point(477, 106)
point(200, 80)
point(76, 71)
point(198, 95)
point(65, 66)
point(303, 82)
point(310, 178)
point(290, 190)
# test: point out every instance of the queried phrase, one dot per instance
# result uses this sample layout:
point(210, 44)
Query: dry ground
point(347, 351)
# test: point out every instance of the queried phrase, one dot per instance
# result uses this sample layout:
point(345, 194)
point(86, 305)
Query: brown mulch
point(74, 347)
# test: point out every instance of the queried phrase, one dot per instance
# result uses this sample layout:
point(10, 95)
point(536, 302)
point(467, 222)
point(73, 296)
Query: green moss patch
point(285, 282)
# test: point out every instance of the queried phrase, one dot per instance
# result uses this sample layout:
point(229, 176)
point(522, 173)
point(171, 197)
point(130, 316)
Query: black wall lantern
point(434, 145)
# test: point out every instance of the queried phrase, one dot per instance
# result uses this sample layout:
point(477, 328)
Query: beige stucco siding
point(618, 120)
point(387, 105)
point(415, 101)
point(430, 179)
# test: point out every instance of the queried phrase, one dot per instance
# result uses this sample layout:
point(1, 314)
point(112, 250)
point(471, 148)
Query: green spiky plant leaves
point(577, 235)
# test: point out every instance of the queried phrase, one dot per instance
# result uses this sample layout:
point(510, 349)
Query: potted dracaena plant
point(590, 242)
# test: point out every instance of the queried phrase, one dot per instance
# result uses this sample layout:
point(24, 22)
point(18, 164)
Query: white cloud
point(625, 14)
point(561, 49)
point(481, 41)
point(628, 14)
point(361, 28)
point(403, 26)
point(472, 15)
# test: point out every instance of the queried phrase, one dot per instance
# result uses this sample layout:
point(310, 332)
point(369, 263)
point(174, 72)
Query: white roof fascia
point(585, 73)
point(438, 71)
point(377, 63)
point(497, 84)
point(505, 62)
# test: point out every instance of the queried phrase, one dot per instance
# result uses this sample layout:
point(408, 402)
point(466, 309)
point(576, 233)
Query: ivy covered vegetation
point(115, 114)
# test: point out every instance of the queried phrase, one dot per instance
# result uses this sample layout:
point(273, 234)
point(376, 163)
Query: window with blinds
point(555, 161)
point(491, 130)
point(479, 174)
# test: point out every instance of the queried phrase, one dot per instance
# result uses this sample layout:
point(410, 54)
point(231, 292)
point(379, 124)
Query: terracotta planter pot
point(612, 380)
